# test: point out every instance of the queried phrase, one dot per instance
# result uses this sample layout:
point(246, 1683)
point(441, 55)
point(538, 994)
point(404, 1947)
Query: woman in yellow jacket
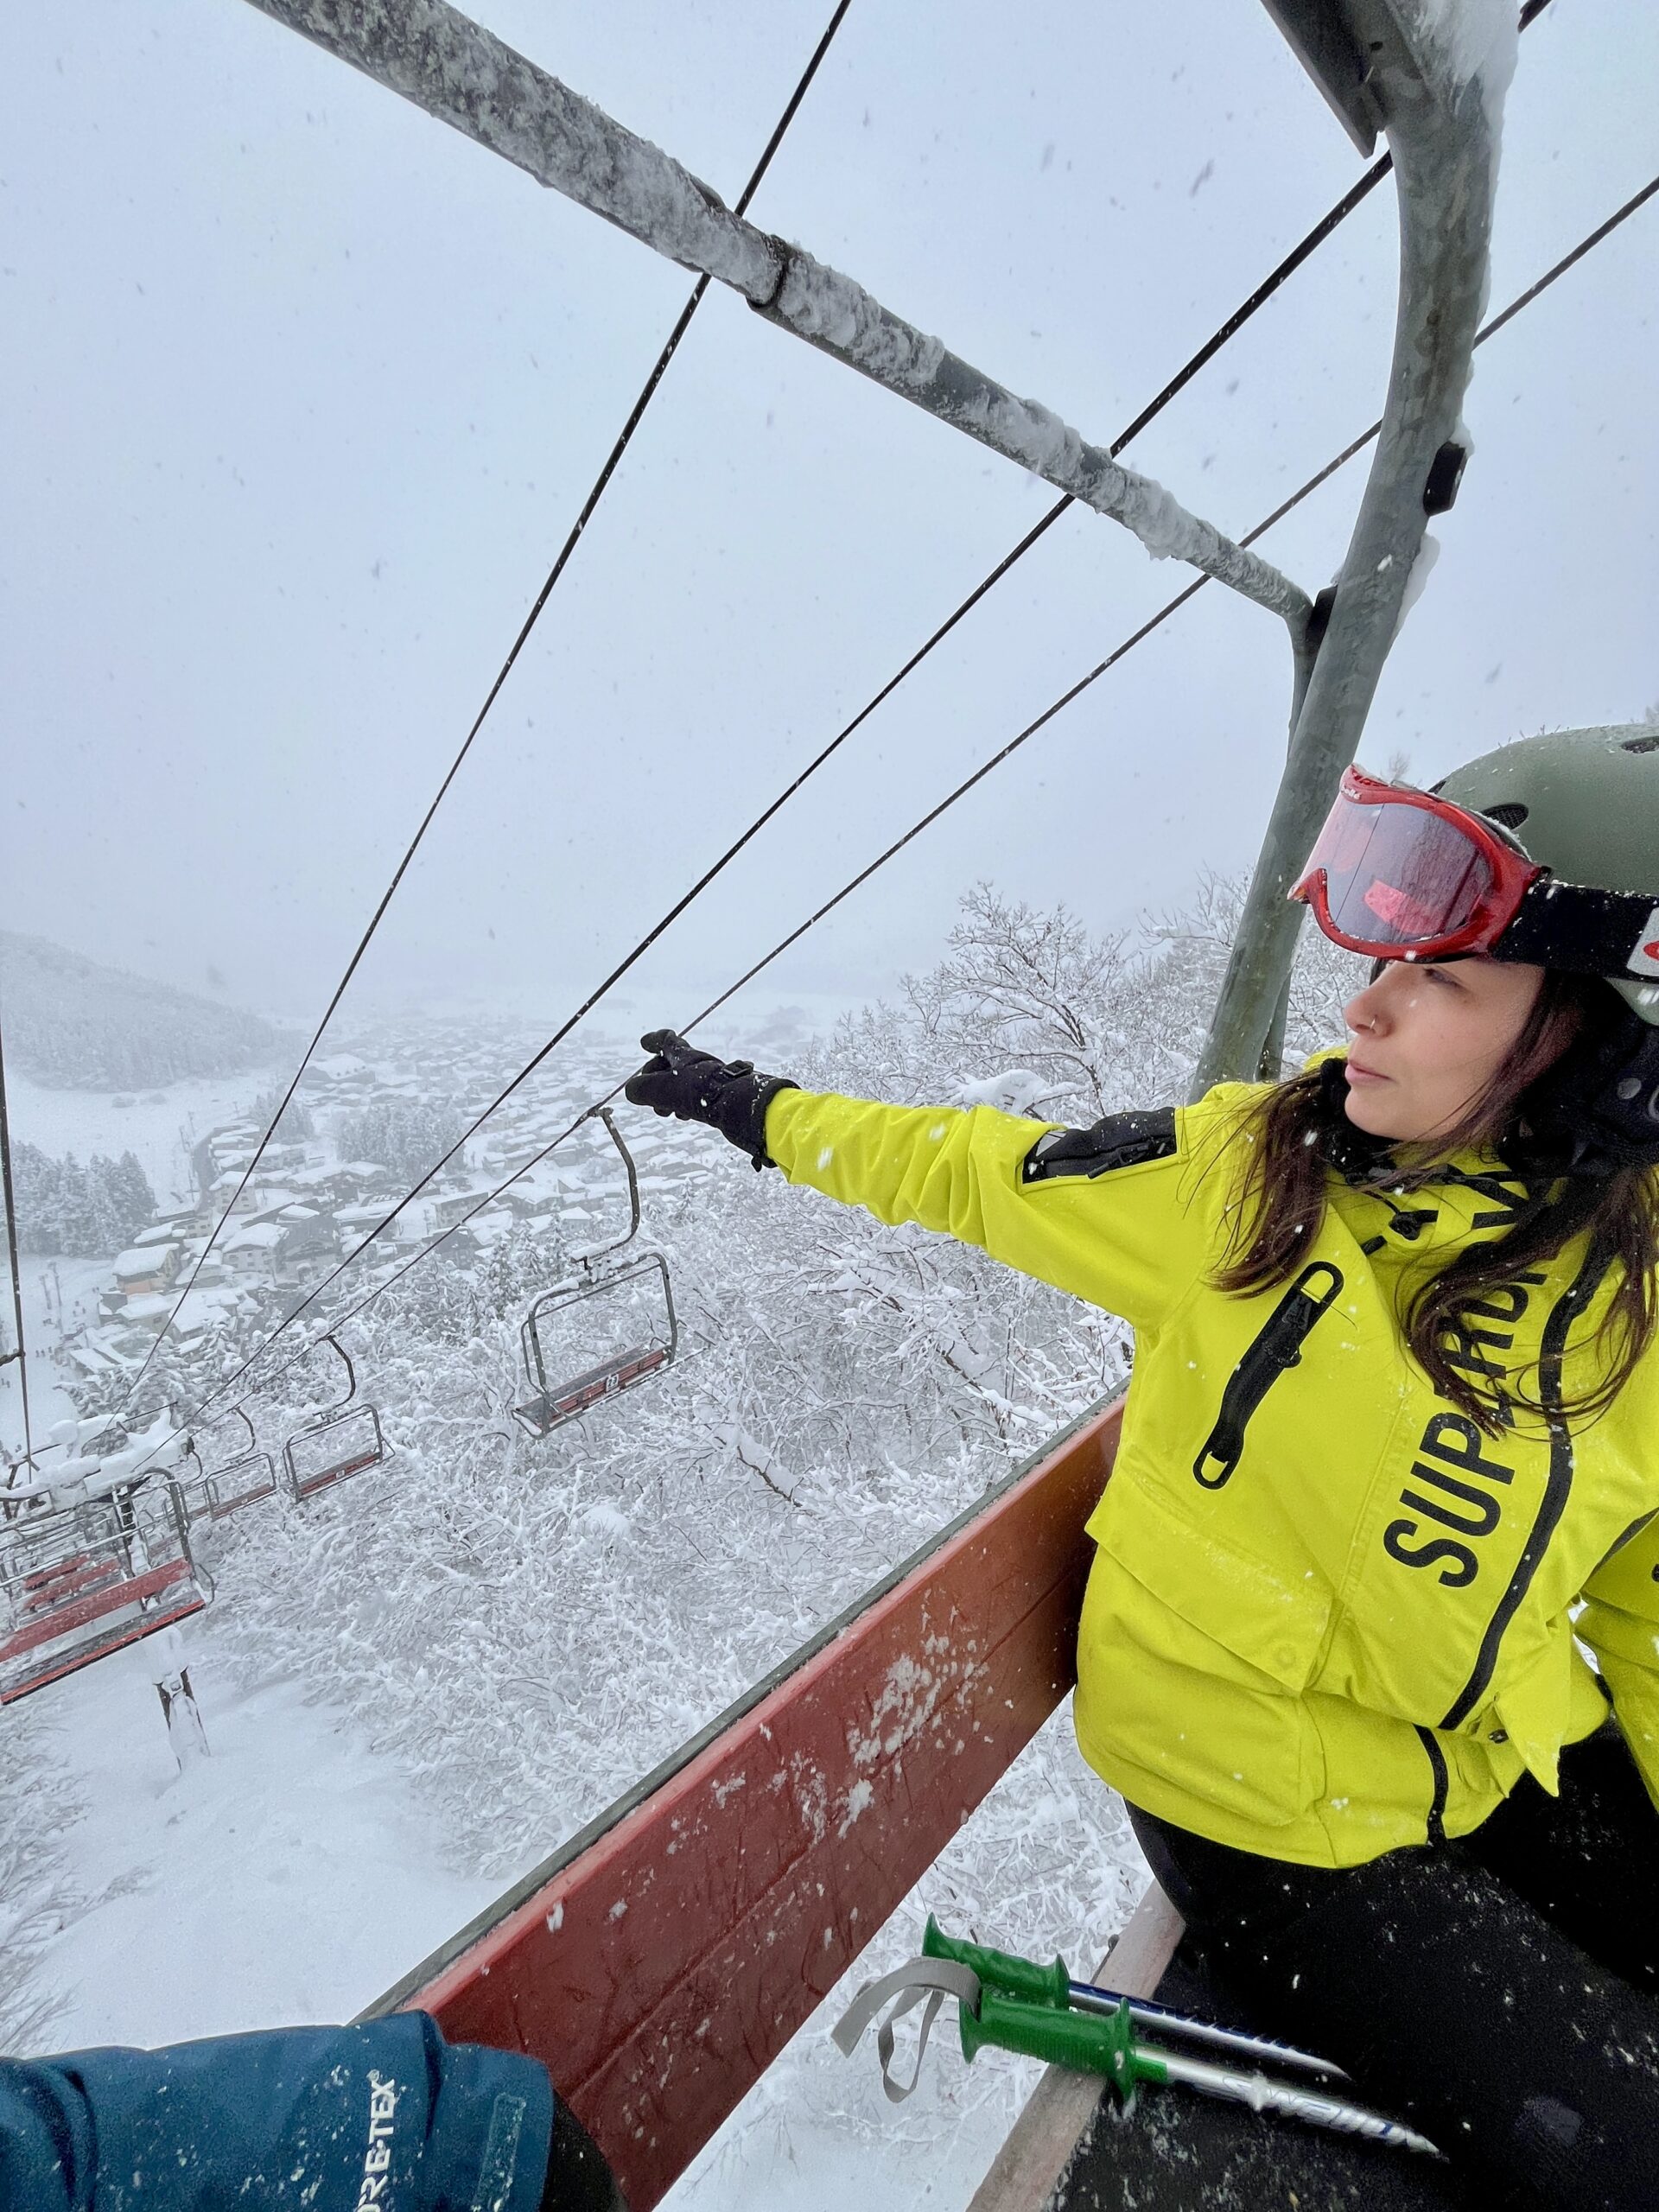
point(1371, 1645)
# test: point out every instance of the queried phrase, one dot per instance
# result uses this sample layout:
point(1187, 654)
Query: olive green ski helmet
point(1583, 804)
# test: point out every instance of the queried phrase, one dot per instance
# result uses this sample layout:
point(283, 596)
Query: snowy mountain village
point(830, 1364)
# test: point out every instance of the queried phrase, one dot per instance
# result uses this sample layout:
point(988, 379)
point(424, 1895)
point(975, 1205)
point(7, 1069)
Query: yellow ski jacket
point(1327, 1616)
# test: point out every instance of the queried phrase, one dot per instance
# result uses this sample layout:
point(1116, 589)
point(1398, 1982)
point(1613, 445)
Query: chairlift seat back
point(343, 1444)
point(227, 1489)
point(608, 1303)
point(541, 1414)
point(79, 1582)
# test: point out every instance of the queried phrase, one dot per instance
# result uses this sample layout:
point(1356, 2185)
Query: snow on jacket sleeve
point(1620, 1622)
point(1120, 1236)
point(384, 2117)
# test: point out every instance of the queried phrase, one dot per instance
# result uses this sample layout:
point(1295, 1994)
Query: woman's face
point(1428, 1040)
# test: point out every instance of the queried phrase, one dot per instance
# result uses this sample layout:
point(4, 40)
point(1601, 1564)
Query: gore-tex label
point(1645, 961)
point(374, 2194)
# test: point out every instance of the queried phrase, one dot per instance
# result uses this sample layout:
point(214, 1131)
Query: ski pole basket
point(346, 1439)
point(81, 1582)
point(584, 1342)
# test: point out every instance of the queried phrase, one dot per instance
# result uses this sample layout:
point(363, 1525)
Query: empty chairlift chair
point(346, 1439)
point(609, 1325)
point(227, 1485)
point(80, 1581)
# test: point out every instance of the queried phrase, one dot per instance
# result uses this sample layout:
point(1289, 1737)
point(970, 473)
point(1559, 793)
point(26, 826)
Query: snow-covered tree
point(297, 1124)
point(79, 1210)
point(406, 1134)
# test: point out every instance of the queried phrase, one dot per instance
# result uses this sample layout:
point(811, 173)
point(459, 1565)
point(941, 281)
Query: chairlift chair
point(558, 1394)
point(346, 1439)
point(244, 1479)
point(78, 1582)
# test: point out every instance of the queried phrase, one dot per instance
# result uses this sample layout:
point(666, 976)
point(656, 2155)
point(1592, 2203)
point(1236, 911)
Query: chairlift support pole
point(464, 76)
point(1376, 64)
point(19, 1357)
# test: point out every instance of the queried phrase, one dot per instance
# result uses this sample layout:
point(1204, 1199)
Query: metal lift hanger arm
point(463, 75)
point(1443, 134)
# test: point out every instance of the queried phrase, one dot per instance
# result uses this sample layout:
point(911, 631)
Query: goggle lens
point(1398, 875)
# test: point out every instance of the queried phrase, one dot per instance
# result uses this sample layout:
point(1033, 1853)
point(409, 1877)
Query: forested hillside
point(76, 1026)
point(64, 1207)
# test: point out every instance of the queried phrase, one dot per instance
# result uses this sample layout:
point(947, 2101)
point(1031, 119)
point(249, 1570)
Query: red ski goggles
point(1400, 875)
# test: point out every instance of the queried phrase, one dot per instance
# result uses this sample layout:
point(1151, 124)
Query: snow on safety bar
point(465, 76)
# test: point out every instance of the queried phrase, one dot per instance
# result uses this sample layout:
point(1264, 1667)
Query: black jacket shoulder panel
point(1119, 1140)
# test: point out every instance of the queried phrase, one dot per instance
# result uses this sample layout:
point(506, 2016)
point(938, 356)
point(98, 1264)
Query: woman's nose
point(1364, 1011)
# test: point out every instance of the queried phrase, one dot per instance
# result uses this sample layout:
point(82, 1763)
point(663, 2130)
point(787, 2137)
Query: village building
point(144, 1269)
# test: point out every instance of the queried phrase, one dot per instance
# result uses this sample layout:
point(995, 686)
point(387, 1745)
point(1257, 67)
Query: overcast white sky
point(302, 391)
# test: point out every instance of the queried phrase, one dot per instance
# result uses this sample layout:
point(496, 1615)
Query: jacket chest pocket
point(1276, 1347)
point(1192, 1658)
point(1223, 1596)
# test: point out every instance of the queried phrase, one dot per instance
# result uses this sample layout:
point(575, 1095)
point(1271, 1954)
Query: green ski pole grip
point(1089, 2042)
point(1002, 1970)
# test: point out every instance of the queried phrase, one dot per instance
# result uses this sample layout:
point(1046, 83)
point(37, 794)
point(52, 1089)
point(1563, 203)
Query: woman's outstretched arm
point(1104, 1213)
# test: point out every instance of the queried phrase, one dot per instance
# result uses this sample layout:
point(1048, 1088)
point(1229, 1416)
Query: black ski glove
point(693, 1085)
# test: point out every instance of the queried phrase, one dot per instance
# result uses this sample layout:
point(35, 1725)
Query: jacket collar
point(1474, 1194)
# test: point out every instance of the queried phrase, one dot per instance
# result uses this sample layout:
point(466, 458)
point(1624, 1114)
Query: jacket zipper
point(1277, 1346)
point(1558, 1484)
point(1436, 1829)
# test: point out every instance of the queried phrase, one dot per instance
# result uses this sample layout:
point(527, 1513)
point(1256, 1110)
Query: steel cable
point(1263, 292)
point(19, 1357)
point(573, 539)
point(969, 783)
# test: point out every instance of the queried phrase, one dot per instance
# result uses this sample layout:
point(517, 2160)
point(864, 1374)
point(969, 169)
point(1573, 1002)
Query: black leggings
point(1502, 1992)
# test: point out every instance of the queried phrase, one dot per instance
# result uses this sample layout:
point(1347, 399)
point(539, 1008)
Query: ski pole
point(1011, 1976)
point(1106, 2044)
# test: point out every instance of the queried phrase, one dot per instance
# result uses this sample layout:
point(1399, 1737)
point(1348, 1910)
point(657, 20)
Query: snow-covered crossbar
point(463, 75)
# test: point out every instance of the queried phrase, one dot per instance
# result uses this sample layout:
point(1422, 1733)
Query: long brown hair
point(1293, 1137)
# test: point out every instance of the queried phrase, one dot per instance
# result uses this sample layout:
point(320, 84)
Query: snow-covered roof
point(361, 1168)
point(141, 1312)
point(263, 1236)
point(142, 1259)
point(298, 1213)
point(95, 1359)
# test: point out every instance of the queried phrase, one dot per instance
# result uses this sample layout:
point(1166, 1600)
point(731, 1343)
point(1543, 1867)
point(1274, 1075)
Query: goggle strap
point(1586, 931)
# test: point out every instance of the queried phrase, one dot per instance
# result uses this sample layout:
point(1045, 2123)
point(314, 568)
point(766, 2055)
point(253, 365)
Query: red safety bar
point(660, 1963)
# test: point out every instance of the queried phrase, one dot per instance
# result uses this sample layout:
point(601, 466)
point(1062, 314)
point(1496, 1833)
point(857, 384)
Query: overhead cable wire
point(1275, 278)
point(968, 783)
point(1263, 292)
point(1305, 491)
point(573, 539)
point(1272, 282)
point(19, 1357)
